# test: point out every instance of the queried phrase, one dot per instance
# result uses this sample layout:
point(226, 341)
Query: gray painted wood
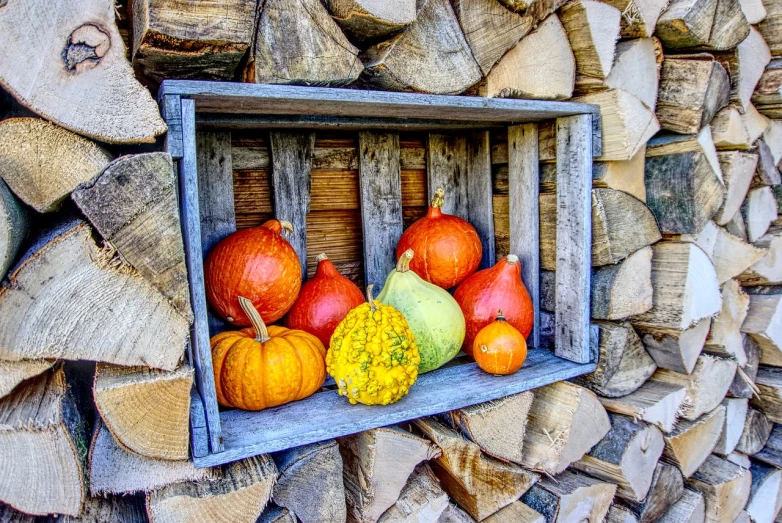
point(171, 110)
point(199, 433)
point(191, 224)
point(327, 415)
point(381, 203)
point(446, 168)
point(574, 237)
point(480, 204)
point(291, 166)
point(523, 189)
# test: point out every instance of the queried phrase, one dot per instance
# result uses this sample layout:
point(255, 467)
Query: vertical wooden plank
point(171, 110)
point(574, 237)
point(480, 204)
point(215, 188)
point(199, 433)
point(523, 183)
point(291, 166)
point(381, 203)
point(191, 225)
point(446, 167)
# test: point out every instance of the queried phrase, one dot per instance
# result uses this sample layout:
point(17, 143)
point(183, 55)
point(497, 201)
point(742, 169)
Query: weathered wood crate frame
point(293, 112)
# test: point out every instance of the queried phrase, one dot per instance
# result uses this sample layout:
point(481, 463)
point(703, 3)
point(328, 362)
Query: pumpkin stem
point(321, 257)
point(261, 334)
point(500, 317)
point(439, 198)
point(371, 299)
point(512, 259)
point(403, 265)
point(286, 226)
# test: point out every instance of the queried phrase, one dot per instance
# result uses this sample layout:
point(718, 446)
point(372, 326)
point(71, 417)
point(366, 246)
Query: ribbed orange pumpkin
point(499, 348)
point(259, 367)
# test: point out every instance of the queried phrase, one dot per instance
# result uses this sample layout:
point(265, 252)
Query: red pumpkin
point(447, 248)
point(499, 348)
point(486, 291)
point(323, 302)
point(257, 263)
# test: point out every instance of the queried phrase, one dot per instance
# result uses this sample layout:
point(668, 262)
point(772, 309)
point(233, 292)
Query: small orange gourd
point(499, 348)
point(261, 367)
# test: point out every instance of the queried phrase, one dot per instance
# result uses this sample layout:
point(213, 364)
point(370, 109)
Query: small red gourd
point(448, 249)
point(323, 302)
point(499, 348)
point(486, 291)
point(257, 263)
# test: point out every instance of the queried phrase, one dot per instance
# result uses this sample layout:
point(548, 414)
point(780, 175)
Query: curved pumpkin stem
point(371, 299)
point(439, 198)
point(261, 333)
point(278, 226)
point(403, 265)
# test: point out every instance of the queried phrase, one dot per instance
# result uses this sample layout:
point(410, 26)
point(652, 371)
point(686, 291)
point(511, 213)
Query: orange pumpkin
point(259, 367)
point(499, 348)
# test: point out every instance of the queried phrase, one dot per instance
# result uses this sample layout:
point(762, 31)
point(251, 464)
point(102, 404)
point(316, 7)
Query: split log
point(541, 66)
point(701, 142)
point(755, 122)
point(240, 495)
point(692, 91)
point(706, 385)
point(767, 97)
point(487, 425)
point(772, 452)
point(565, 421)
point(14, 226)
point(745, 65)
point(376, 465)
point(729, 130)
point(310, 483)
point(725, 488)
point(735, 416)
point(755, 433)
point(275, 514)
point(114, 470)
point(77, 49)
point(61, 279)
point(627, 123)
point(667, 488)
point(422, 499)
point(655, 402)
point(753, 10)
point(623, 363)
point(147, 411)
point(43, 163)
point(570, 497)
point(685, 286)
point(42, 433)
point(759, 212)
point(623, 290)
point(737, 227)
point(764, 324)
point(9, 515)
point(453, 514)
point(626, 456)
point(117, 509)
point(593, 29)
point(690, 443)
point(430, 56)
point(479, 484)
point(729, 254)
point(773, 138)
point(300, 45)
point(674, 349)
point(622, 175)
point(366, 22)
point(765, 498)
point(639, 17)
point(170, 39)
point(767, 171)
point(725, 338)
point(691, 508)
point(713, 25)
point(769, 399)
point(742, 460)
point(738, 169)
point(516, 512)
point(12, 373)
point(744, 382)
point(770, 26)
point(134, 206)
point(619, 514)
point(621, 225)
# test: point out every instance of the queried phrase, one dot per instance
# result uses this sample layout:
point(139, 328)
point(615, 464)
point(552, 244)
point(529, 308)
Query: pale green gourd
point(431, 312)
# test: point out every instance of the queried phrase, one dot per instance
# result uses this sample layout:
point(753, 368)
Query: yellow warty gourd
point(372, 356)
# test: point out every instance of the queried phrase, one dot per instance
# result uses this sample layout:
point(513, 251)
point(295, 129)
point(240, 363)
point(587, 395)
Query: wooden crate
point(350, 169)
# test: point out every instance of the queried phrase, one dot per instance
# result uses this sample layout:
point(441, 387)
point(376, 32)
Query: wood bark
point(759, 212)
point(735, 416)
point(300, 46)
point(619, 514)
point(772, 451)
point(729, 254)
point(77, 49)
point(430, 56)
point(366, 22)
point(691, 442)
point(764, 325)
point(767, 270)
point(725, 488)
point(516, 512)
point(765, 498)
point(755, 433)
point(745, 65)
point(769, 27)
point(14, 227)
point(422, 499)
point(725, 338)
point(479, 484)
point(773, 138)
point(119, 509)
point(767, 172)
point(170, 39)
point(639, 17)
point(454, 514)
point(737, 227)
point(59, 278)
point(593, 29)
point(769, 399)
point(713, 25)
point(738, 169)
point(625, 289)
point(310, 483)
point(239, 495)
point(376, 466)
point(134, 205)
point(655, 402)
point(147, 411)
point(666, 488)
point(12, 373)
point(767, 97)
point(675, 349)
point(729, 130)
point(691, 508)
point(570, 497)
point(744, 381)
point(275, 514)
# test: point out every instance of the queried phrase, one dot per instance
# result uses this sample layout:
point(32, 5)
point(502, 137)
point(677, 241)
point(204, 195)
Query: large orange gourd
point(257, 263)
point(447, 248)
point(262, 367)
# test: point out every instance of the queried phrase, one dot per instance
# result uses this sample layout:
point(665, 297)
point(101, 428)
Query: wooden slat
point(446, 168)
point(381, 203)
point(199, 433)
point(215, 188)
point(574, 237)
point(524, 234)
point(479, 191)
point(327, 415)
point(171, 110)
point(291, 166)
point(191, 223)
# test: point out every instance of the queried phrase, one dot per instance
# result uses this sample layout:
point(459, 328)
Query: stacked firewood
point(681, 421)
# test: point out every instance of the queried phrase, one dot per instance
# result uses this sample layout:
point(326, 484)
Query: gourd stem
point(500, 317)
point(371, 298)
point(512, 259)
point(439, 198)
point(286, 226)
point(321, 257)
point(403, 265)
point(261, 334)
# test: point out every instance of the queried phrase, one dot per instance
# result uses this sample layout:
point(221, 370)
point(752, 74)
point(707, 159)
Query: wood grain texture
point(215, 187)
point(15, 225)
point(654, 402)
point(480, 205)
point(446, 168)
point(570, 496)
point(171, 111)
point(667, 488)
point(366, 22)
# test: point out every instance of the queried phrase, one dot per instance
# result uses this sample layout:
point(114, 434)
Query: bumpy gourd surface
point(373, 357)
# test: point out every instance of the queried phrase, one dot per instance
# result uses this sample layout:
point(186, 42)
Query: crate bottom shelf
point(326, 415)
